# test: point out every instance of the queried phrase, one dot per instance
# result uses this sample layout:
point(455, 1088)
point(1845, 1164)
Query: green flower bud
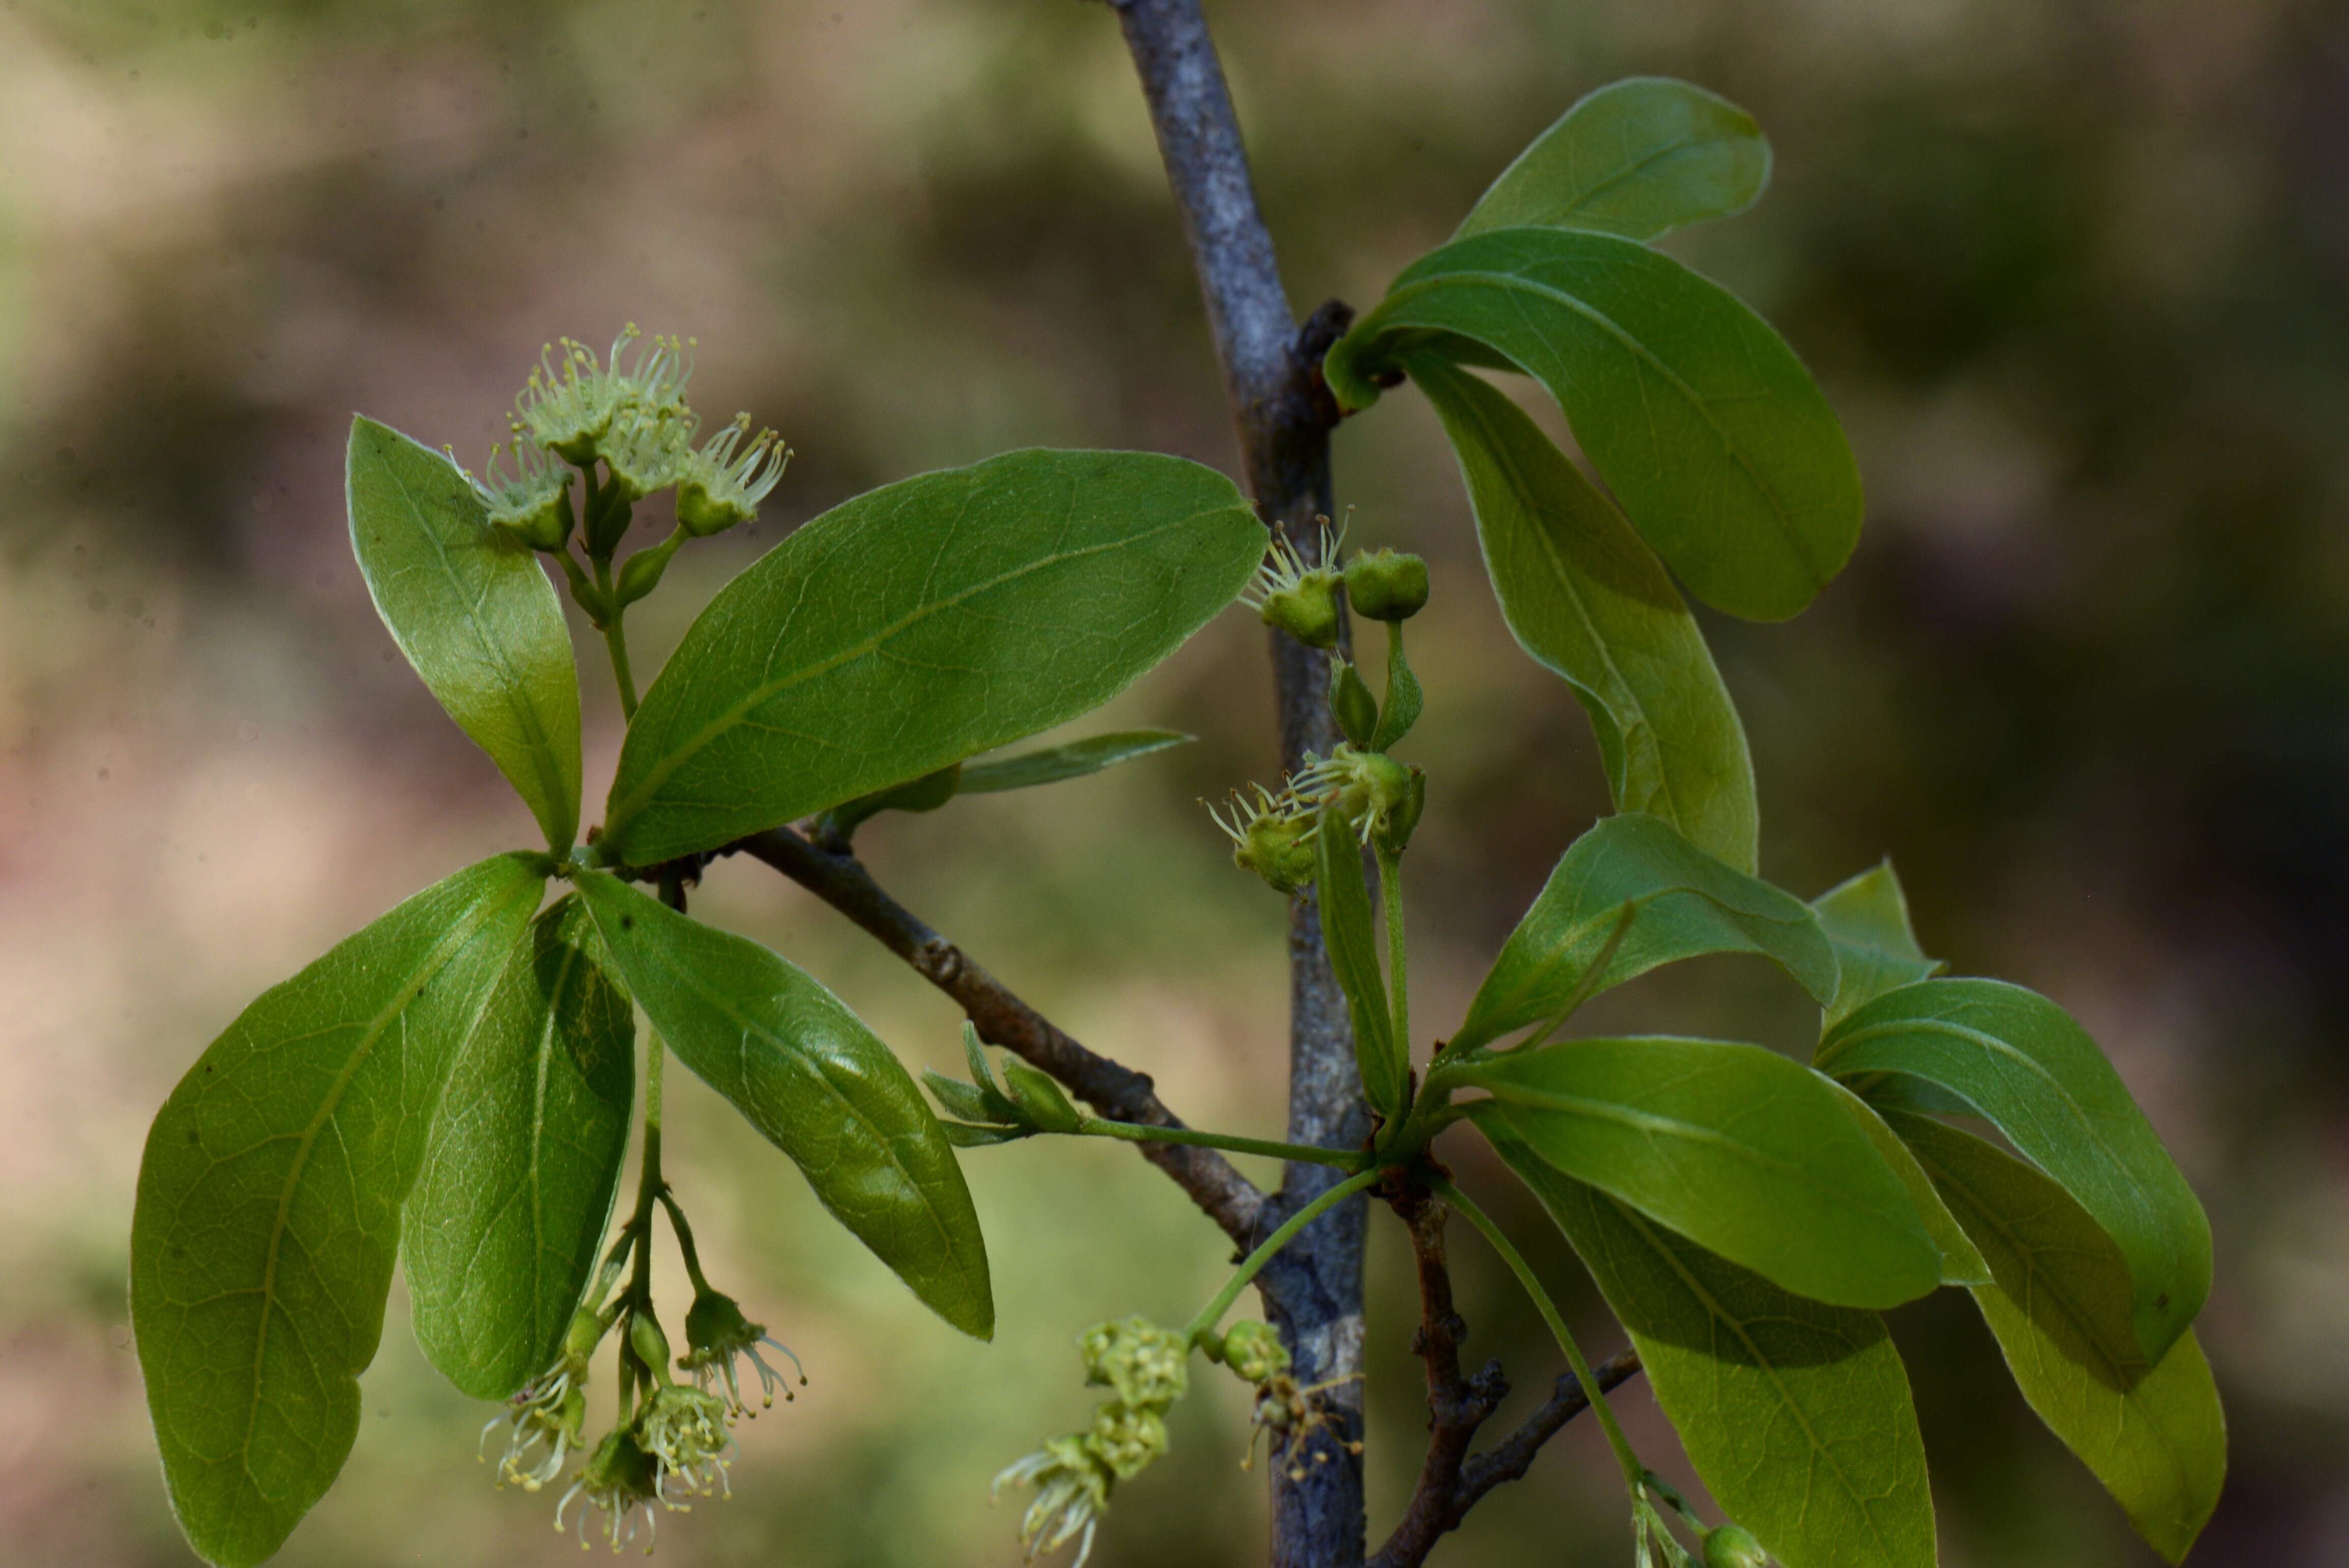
point(641, 572)
point(1350, 701)
point(1387, 585)
point(1733, 1547)
point(1146, 1365)
point(1253, 1351)
point(1126, 1439)
point(646, 1339)
point(1271, 838)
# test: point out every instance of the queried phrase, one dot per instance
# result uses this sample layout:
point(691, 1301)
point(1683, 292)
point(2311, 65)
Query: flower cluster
point(1146, 1369)
point(627, 410)
point(1272, 835)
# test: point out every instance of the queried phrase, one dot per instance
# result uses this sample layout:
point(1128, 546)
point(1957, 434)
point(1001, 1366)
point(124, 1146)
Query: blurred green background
point(2075, 272)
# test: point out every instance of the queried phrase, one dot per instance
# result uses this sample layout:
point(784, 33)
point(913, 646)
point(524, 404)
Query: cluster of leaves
point(1746, 1216)
point(453, 1084)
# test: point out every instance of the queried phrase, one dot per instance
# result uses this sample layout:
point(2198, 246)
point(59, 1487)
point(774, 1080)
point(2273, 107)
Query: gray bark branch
point(1313, 1291)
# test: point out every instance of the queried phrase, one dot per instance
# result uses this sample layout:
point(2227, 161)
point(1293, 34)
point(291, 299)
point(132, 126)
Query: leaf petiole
point(1213, 1312)
point(1634, 1473)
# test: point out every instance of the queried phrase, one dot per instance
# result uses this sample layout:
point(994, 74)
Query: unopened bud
point(1350, 701)
point(1387, 585)
point(1733, 1547)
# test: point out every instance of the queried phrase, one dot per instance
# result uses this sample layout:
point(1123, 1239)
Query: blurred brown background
point(2076, 275)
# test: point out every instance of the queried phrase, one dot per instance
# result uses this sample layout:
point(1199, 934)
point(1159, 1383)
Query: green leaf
point(1962, 1264)
point(1714, 438)
point(268, 1208)
point(921, 623)
point(1684, 902)
point(507, 1219)
point(1346, 931)
point(1075, 759)
point(1638, 158)
point(1797, 1414)
point(2019, 1061)
point(1867, 922)
point(819, 1084)
point(1591, 602)
point(1400, 708)
point(474, 614)
point(2060, 1305)
point(1734, 1147)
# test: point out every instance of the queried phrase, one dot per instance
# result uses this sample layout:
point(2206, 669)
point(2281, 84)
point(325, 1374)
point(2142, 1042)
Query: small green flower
point(569, 407)
point(1301, 599)
point(716, 1332)
point(647, 448)
point(717, 488)
point(549, 1411)
point(1270, 838)
point(622, 1481)
point(685, 1430)
point(534, 504)
point(1073, 1492)
point(1374, 793)
point(1146, 1366)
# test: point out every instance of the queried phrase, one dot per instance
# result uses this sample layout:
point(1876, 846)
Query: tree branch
point(1450, 1482)
point(1117, 1092)
point(1283, 416)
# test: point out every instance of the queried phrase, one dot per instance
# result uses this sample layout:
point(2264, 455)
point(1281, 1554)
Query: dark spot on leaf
point(627, 922)
point(2161, 1300)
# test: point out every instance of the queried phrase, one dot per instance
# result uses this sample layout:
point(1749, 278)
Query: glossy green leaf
point(2061, 1307)
point(1590, 602)
point(1075, 759)
point(507, 1219)
point(1732, 1146)
point(819, 1084)
point(1684, 903)
point(1719, 447)
point(1867, 922)
point(474, 615)
point(2019, 1061)
point(1797, 1414)
point(1961, 1263)
point(1348, 932)
point(1638, 158)
point(269, 1201)
point(921, 623)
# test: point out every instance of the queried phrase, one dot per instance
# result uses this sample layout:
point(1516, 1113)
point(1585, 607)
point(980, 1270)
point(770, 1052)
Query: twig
point(1117, 1092)
point(1451, 1483)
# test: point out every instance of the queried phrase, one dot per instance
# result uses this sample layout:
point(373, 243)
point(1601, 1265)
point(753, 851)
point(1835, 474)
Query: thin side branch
point(1451, 1482)
point(1117, 1092)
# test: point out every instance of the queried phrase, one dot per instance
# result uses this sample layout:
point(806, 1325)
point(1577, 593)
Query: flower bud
point(1733, 1547)
point(1125, 1439)
point(646, 1339)
point(1350, 701)
point(1387, 585)
point(1253, 1351)
point(1143, 1362)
